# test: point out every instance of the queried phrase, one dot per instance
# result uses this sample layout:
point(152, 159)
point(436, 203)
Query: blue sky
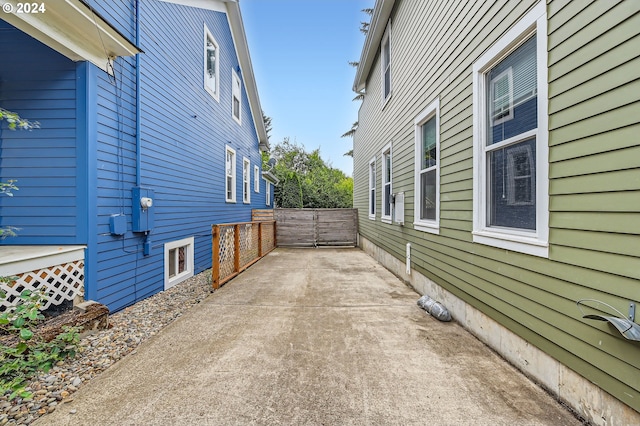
point(300, 51)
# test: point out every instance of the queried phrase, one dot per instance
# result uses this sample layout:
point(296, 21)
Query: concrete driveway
point(311, 337)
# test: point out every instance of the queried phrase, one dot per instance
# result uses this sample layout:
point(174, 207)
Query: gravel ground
point(128, 329)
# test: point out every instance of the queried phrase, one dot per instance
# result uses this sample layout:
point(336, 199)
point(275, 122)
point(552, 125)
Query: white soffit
point(72, 28)
point(215, 5)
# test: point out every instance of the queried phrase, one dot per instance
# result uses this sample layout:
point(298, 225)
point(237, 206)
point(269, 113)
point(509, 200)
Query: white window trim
point(387, 149)
point(385, 37)
point(246, 180)
point(188, 272)
point(530, 242)
point(234, 77)
point(267, 195)
point(256, 179)
point(215, 93)
point(372, 186)
point(432, 226)
point(233, 175)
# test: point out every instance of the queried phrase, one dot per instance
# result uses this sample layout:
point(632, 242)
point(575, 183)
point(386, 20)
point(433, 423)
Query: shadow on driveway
point(312, 337)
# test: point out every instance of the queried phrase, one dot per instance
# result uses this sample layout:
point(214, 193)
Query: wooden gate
point(316, 227)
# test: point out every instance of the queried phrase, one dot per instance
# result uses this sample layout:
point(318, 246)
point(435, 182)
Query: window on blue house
point(246, 180)
point(510, 139)
point(178, 261)
point(230, 175)
point(256, 179)
point(236, 96)
point(267, 193)
point(211, 65)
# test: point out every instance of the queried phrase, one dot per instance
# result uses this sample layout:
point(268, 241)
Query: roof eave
point(75, 30)
point(239, 35)
point(380, 17)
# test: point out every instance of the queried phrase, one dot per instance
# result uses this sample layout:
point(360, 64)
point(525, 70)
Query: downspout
point(146, 246)
point(138, 138)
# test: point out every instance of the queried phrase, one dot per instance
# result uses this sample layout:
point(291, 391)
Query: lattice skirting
point(60, 283)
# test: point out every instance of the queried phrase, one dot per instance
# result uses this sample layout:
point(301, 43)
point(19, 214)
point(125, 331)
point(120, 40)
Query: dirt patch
point(93, 316)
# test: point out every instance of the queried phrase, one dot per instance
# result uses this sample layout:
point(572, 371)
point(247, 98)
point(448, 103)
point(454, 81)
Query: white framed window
point(387, 187)
point(510, 139)
point(236, 97)
point(372, 188)
point(211, 65)
point(246, 180)
point(178, 261)
point(230, 174)
point(256, 179)
point(427, 169)
point(267, 195)
point(385, 57)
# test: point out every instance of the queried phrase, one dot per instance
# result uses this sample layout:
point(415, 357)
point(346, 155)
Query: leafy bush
point(31, 354)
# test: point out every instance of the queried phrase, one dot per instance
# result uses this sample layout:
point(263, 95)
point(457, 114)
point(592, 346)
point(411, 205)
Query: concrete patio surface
point(311, 337)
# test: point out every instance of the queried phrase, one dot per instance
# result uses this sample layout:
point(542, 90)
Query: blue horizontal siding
point(184, 132)
point(40, 85)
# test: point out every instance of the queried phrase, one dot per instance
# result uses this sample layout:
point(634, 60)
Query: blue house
point(150, 131)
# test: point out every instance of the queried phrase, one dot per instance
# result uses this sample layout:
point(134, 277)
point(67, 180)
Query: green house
point(497, 170)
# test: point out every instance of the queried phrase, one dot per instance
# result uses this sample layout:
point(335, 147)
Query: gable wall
point(593, 207)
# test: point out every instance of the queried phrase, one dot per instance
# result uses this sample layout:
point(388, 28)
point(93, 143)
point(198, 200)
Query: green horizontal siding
point(594, 162)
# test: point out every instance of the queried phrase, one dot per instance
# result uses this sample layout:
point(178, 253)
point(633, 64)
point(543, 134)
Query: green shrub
point(31, 354)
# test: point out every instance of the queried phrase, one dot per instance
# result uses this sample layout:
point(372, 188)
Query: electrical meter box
point(143, 210)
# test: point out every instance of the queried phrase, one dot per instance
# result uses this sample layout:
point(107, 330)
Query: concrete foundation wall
point(586, 398)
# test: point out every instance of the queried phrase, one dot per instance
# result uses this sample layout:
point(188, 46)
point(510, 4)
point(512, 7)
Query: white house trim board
point(74, 30)
point(18, 259)
point(534, 242)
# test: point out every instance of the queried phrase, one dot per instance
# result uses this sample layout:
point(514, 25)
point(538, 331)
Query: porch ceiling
point(73, 29)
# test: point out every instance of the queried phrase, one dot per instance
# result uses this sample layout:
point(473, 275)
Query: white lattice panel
point(59, 282)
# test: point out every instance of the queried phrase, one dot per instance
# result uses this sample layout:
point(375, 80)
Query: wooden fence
point(316, 227)
point(236, 246)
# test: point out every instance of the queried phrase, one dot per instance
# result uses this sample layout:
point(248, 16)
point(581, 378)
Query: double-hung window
point(211, 65)
point(427, 169)
point(387, 202)
point(510, 139)
point(385, 55)
point(236, 96)
point(372, 188)
point(246, 180)
point(230, 175)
